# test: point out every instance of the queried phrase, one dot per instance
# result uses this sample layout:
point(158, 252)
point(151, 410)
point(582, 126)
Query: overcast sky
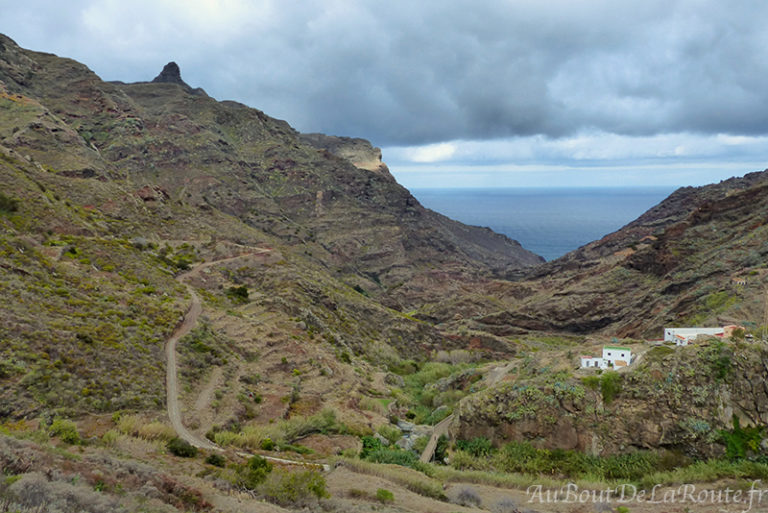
point(460, 93)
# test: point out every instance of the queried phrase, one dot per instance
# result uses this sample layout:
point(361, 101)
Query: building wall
point(613, 354)
point(669, 333)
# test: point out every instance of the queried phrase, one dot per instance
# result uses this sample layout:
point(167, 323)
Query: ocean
point(550, 222)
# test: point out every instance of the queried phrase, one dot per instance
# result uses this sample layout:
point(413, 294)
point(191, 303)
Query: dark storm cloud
point(405, 72)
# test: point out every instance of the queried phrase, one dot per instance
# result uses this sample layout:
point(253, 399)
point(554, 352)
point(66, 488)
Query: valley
point(206, 310)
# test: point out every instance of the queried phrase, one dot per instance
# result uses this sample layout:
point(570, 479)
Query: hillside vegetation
point(338, 321)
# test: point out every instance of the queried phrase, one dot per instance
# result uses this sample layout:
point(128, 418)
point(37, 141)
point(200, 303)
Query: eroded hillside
point(112, 189)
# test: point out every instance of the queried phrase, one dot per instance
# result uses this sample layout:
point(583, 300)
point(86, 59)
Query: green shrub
point(441, 448)
point(267, 444)
point(110, 438)
point(66, 430)
point(370, 444)
point(658, 353)
point(238, 294)
point(420, 444)
point(741, 443)
point(216, 459)
point(461, 460)
point(718, 355)
point(523, 457)
point(610, 385)
point(384, 496)
point(181, 448)
point(294, 488)
point(8, 204)
point(391, 433)
point(591, 382)
point(253, 473)
point(393, 456)
point(477, 447)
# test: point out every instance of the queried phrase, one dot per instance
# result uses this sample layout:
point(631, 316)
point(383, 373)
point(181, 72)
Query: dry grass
point(405, 477)
point(372, 404)
point(285, 431)
point(135, 425)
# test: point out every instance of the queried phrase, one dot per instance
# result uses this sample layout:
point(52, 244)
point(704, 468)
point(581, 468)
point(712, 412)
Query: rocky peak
point(170, 74)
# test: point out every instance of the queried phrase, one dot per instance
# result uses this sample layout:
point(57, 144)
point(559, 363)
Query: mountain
point(117, 187)
point(697, 258)
point(311, 301)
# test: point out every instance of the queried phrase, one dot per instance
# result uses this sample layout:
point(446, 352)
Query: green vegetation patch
point(430, 386)
point(78, 334)
point(181, 448)
point(8, 204)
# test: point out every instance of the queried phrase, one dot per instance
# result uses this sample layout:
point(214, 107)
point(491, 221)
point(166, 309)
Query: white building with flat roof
point(684, 336)
point(593, 362)
point(613, 356)
point(617, 356)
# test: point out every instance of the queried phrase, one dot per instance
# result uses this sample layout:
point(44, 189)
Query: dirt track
point(171, 379)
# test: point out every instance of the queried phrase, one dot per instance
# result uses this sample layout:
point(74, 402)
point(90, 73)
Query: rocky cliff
point(674, 399)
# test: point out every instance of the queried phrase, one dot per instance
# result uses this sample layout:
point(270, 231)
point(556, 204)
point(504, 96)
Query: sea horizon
point(549, 221)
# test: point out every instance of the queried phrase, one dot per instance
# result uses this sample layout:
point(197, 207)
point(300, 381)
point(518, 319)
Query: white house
point(683, 336)
point(613, 356)
point(617, 356)
point(593, 362)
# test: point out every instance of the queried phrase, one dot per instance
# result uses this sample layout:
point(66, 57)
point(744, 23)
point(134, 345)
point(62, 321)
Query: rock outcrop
point(171, 74)
point(359, 152)
point(675, 399)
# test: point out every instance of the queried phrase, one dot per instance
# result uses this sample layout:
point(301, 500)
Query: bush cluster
point(215, 459)
point(743, 443)
point(384, 496)
point(181, 448)
point(524, 457)
point(478, 447)
point(294, 488)
point(66, 430)
point(8, 204)
point(253, 473)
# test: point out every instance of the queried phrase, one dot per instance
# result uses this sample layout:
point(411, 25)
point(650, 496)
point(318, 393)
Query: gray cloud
point(407, 73)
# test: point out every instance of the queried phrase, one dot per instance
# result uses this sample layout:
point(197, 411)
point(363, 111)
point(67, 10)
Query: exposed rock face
point(170, 74)
point(359, 152)
point(673, 399)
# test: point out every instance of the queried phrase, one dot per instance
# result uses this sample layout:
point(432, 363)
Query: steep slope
point(699, 257)
point(679, 263)
point(239, 161)
point(111, 189)
point(676, 400)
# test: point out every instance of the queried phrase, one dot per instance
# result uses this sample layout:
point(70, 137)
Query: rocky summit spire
point(170, 74)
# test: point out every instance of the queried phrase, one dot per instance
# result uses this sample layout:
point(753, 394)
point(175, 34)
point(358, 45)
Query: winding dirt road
point(171, 379)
